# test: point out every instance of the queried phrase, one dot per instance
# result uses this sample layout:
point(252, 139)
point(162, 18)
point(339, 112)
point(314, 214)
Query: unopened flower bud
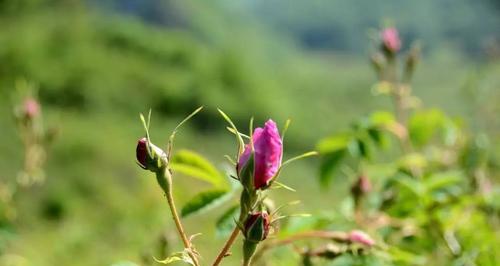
point(255, 230)
point(360, 188)
point(265, 160)
point(151, 160)
point(390, 40)
point(364, 184)
point(360, 237)
point(257, 226)
point(31, 108)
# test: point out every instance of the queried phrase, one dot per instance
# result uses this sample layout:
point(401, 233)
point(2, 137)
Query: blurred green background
point(98, 64)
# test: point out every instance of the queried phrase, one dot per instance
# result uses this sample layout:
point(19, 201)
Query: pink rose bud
point(360, 237)
point(361, 187)
point(365, 185)
point(146, 160)
point(257, 226)
point(390, 39)
point(268, 151)
point(31, 108)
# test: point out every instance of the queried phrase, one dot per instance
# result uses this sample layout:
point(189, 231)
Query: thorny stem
point(227, 246)
point(164, 178)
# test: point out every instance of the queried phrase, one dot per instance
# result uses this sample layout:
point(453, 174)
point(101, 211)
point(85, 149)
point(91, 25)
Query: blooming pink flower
point(268, 151)
point(390, 39)
point(358, 236)
point(31, 108)
point(257, 226)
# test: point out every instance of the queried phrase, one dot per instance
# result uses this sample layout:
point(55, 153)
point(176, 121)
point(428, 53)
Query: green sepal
point(246, 174)
point(249, 248)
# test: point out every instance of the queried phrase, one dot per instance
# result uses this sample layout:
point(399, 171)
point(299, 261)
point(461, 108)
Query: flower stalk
point(152, 158)
point(224, 251)
point(164, 178)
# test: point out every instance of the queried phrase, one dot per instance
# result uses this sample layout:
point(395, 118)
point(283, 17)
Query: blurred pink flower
point(268, 151)
point(360, 237)
point(31, 108)
point(365, 185)
point(390, 39)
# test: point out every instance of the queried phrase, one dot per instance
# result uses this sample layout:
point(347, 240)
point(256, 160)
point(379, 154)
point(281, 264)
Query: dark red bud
point(141, 152)
point(257, 226)
point(362, 186)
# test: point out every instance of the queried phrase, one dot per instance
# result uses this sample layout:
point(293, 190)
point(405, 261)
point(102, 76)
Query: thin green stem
point(164, 178)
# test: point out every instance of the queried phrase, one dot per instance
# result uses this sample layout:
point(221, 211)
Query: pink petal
point(390, 38)
point(268, 153)
point(358, 236)
point(248, 150)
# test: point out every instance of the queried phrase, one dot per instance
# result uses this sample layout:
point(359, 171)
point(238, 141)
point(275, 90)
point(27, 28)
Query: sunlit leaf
point(424, 125)
point(413, 161)
point(382, 118)
point(334, 143)
point(194, 165)
point(442, 180)
point(411, 184)
point(177, 256)
point(204, 201)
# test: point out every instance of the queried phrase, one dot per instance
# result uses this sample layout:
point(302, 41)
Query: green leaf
point(329, 165)
point(364, 148)
point(194, 165)
point(411, 184)
point(204, 201)
point(334, 143)
point(412, 161)
point(378, 137)
point(226, 223)
point(424, 125)
point(177, 256)
point(443, 180)
point(382, 118)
